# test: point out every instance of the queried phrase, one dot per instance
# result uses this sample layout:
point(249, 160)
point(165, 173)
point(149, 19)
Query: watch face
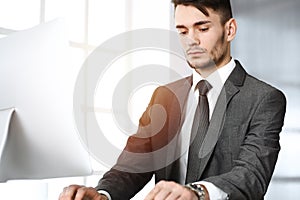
point(197, 186)
point(194, 186)
point(199, 190)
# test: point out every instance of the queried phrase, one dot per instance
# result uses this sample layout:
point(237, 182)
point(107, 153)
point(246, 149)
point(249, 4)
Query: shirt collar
point(217, 78)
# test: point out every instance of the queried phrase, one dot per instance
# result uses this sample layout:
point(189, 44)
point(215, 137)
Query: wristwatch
point(197, 189)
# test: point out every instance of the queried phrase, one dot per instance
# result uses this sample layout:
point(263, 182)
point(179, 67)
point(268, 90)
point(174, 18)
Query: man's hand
point(166, 190)
point(78, 192)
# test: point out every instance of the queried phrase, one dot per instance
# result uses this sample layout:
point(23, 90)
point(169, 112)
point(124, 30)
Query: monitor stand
point(6, 188)
point(5, 118)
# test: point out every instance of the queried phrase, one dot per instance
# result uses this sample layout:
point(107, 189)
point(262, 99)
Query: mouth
point(195, 52)
point(192, 53)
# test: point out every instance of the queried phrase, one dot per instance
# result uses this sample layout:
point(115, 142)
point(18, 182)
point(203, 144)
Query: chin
point(203, 65)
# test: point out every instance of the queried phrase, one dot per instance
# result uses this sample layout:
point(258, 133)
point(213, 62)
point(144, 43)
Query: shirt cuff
point(105, 193)
point(214, 192)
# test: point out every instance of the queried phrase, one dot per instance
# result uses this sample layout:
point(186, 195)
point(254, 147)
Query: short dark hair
point(222, 7)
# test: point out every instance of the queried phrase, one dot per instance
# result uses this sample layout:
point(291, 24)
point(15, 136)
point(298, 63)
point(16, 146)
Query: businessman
point(225, 123)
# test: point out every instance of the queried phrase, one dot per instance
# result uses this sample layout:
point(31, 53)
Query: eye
point(203, 29)
point(182, 32)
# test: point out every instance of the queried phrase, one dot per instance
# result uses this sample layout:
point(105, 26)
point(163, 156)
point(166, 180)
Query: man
point(235, 154)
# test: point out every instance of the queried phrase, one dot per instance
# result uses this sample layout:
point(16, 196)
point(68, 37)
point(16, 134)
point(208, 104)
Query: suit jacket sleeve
point(254, 165)
point(131, 173)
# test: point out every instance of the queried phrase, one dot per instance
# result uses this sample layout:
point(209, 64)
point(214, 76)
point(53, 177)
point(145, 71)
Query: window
point(89, 23)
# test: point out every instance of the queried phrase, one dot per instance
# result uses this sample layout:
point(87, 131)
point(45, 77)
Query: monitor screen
point(37, 80)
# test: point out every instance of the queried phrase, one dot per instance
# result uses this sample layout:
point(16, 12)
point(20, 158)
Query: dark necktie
point(199, 129)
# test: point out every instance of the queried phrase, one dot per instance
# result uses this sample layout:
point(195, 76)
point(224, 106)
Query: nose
point(193, 38)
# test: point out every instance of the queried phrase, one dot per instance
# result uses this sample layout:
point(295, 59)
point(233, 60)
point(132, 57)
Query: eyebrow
point(195, 24)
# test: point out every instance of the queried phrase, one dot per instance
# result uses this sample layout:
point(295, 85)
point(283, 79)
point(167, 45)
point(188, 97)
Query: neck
point(212, 67)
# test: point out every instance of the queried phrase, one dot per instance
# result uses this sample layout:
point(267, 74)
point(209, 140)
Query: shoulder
point(174, 88)
point(259, 87)
point(252, 86)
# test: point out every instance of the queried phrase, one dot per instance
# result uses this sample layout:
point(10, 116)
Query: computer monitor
point(37, 80)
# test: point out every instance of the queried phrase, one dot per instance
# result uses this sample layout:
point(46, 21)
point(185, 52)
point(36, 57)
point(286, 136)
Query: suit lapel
point(229, 90)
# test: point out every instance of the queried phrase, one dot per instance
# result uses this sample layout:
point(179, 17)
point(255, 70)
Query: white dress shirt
point(216, 80)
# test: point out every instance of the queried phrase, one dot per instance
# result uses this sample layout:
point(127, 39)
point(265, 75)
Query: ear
point(231, 28)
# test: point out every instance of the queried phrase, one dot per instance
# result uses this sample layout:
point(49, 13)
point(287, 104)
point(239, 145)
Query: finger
point(187, 194)
point(153, 193)
point(174, 195)
point(164, 190)
point(69, 192)
point(176, 190)
point(162, 194)
point(87, 193)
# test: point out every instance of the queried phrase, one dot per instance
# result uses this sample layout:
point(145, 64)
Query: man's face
point(203, 37)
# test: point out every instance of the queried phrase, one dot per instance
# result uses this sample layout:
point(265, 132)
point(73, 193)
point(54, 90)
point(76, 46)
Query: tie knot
point(203, 87)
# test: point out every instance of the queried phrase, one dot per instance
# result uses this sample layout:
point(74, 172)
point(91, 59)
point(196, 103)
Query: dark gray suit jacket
point(240, 150)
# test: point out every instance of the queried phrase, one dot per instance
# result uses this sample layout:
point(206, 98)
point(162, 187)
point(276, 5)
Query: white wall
point(268, 44)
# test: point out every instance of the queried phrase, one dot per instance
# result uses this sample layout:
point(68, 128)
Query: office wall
point(267, 43)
